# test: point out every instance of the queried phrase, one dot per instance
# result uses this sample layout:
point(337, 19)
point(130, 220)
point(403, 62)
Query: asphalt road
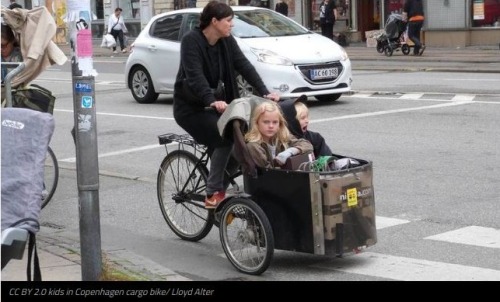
point(433, 139)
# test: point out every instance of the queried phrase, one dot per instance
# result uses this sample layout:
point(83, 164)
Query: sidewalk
point(60, 260)
point(468, 59)
point(60, 254)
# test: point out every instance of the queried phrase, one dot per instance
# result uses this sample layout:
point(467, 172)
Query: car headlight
point(267, 56)
point(343, 54)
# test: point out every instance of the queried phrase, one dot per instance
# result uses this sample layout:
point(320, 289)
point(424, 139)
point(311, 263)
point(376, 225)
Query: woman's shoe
point(211, 202)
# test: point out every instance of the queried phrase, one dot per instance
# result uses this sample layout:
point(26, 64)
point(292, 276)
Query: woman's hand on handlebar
point(272, 96)
point(220, 106)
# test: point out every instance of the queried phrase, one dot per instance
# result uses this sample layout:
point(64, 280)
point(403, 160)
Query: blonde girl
point(269, 141)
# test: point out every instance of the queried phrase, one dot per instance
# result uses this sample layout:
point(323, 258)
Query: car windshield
point(262, 23)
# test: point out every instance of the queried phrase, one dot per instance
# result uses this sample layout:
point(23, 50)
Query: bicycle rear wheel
point(246, 236)
point(50, 177)
point(181, 193)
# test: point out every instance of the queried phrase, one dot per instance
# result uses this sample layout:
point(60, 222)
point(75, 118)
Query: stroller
point(25, 135)
point(393, 36)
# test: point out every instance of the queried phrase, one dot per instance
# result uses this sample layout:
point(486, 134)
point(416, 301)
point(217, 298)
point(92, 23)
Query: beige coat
point(35, 28)
point(263, 157)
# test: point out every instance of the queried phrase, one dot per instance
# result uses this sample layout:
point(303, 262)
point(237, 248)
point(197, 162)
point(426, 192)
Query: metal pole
point(85, 135)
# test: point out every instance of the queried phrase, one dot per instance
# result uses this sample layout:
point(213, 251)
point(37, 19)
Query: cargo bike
point(316, 212)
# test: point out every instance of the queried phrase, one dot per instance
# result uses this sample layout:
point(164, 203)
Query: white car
point(290, 59)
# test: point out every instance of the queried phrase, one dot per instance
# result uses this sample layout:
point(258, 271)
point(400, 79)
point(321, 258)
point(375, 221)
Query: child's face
point(268, 125)
point(304, 121)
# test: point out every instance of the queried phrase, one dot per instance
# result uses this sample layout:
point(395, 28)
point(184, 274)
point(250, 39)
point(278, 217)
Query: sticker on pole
point(83, 87)
point(87, 102)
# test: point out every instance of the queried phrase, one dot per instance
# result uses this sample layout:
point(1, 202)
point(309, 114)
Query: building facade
point(456, 23)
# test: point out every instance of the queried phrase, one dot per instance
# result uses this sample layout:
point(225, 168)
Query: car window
point(192, 20)
point(264, 23)
point(167, 28)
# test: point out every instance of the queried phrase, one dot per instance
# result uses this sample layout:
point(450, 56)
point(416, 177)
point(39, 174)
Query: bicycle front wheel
point(50, 177)
point(246, 236)
point(181, 188)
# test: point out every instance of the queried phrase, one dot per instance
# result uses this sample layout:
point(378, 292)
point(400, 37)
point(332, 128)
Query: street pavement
point(59, 252)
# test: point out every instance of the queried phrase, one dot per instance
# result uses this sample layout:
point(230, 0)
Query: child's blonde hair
point(301, 109)
point(254, 136)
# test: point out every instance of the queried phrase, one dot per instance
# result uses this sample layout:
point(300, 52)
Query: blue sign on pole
point(87, 102)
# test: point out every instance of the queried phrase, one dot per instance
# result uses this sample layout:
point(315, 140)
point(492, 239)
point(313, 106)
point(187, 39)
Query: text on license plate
point(327, 73)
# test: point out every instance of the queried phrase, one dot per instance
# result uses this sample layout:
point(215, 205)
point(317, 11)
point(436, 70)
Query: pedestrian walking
point(413, 13)
point(327, 16)
point(117, 28)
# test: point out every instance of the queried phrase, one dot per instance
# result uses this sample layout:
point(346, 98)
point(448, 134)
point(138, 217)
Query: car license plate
point(327, 73)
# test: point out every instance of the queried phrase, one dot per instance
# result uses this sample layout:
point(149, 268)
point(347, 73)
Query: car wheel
point(328, 97)
point(244, 88)
point(141, 86)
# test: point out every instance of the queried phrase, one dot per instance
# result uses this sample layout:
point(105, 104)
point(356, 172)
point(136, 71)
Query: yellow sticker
point(352, 197)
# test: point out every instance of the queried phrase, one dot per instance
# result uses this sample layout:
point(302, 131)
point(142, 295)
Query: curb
point(127, 265)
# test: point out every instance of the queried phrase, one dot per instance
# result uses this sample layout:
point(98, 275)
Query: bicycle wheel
point(246, 236)
point(50, 177)
point(181, 194)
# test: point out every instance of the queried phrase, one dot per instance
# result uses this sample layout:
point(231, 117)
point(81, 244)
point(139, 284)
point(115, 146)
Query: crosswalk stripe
point(463, 97)
point(472, 235)
point(362, 95)
point(385, 222)
point(408, 269)
point(411, 96)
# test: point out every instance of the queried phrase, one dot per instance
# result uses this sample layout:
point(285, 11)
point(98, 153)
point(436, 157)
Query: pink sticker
point(84, 43)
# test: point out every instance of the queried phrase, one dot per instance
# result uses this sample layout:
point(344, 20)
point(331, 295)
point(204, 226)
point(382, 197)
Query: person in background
point(11, 52)
point(14, 4)
point(296, 115)
point(327, 16)
point(210, 58)
point(117, 28)
point(413, 12)
point(282, 8)
point(269, 141)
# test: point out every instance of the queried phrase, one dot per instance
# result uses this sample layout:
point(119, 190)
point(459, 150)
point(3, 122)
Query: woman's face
point(268, 125)
point(7, 48)
point(223, 26)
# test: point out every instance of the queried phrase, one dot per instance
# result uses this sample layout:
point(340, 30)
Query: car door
point(163, 51)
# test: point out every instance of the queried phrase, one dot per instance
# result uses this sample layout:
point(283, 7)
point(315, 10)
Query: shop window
point(179, 4)
point(130, 9)
point(485, 13)
point(393, 7)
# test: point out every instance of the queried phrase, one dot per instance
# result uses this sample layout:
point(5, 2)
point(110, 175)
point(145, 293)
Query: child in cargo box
point(296, 115)
point(269, 141)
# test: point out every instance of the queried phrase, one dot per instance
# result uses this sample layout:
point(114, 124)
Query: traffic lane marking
point(471, 235)
point(408, 269)
point(384, 112)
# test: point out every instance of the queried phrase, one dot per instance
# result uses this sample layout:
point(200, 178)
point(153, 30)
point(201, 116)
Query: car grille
point(306, 72)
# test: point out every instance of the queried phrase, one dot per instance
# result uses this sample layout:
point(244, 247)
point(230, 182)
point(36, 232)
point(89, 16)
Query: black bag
point(34, 97)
